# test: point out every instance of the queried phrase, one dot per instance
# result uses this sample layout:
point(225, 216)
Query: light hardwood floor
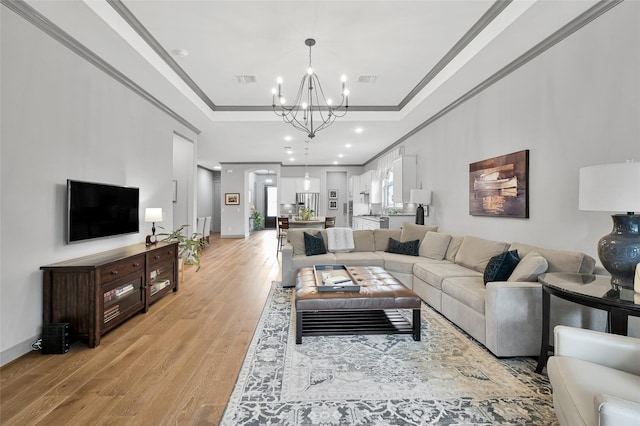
point(176, 364)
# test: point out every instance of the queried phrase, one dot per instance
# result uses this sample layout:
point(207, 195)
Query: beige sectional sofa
point(505, 316)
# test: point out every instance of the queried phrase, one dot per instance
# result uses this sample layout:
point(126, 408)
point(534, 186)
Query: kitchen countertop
point(374, 216)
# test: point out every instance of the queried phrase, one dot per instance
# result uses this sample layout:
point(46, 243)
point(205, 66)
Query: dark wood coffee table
point(372, 310)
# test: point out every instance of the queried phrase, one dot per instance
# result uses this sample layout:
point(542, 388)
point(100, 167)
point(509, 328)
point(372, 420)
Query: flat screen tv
point(97, 210)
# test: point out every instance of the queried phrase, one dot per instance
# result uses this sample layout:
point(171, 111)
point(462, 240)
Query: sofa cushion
point(576, 383)
point(475, 252)
point(560, 260)
point(296, 238)
point(454, 246)
point(500, 267)
point(410, 248)
point(303, 261)
point(381, 237)
point(528, 269)
point(362, 258)
point(434, 245)
point(314, 244)
point(434, 272)
point(394, 262)
point(363, 240)
point(470, 291)
point(411, 231)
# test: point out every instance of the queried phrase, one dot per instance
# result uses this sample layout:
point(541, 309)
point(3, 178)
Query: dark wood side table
point(594, 291)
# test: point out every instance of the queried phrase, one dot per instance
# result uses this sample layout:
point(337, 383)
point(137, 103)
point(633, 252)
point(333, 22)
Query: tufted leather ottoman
point(372, 310)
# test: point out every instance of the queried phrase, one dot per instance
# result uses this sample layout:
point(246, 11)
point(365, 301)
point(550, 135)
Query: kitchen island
point(313, 223)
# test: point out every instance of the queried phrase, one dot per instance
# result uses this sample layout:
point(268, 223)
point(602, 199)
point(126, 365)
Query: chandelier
point(311, 111)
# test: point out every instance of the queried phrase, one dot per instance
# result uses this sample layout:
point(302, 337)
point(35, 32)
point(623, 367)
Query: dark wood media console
point(96, 293)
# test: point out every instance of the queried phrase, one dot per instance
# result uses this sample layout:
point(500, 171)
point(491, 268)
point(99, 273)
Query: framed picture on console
point(499, 186)
point(333, 194)
point(231, 199)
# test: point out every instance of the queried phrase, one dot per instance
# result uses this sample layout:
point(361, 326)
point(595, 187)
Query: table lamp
point(420, 197)
point(615, 188)
point(153, 215)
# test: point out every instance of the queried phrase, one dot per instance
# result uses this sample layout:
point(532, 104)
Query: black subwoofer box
point(55, 338)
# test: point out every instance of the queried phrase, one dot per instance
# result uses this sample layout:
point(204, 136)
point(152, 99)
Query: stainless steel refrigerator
point(310, 200)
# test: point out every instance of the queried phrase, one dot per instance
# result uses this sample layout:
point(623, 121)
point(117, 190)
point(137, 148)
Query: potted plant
point(257, 219)
point(187, 246)
point(306, 213)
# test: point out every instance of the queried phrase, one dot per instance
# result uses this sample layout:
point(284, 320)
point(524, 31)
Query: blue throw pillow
point(314, 244)
point(501, 266)
point(410, 248)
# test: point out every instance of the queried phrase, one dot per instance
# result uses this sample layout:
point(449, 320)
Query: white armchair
point(595, 378)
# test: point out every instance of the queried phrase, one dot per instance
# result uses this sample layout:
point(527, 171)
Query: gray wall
point(63, 118)
point(577, 104)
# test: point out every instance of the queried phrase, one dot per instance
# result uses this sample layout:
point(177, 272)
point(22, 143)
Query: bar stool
point(283, 228)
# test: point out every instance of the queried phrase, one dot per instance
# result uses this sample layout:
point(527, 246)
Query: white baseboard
point(16, 351)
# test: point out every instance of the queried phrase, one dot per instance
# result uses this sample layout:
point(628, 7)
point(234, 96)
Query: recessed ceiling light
point(335, 162)
point(292, 159)
point(289, 152)
point(340, 155)
point(183, 53)
point(287, 138)
point(359, 130)
point(348, 145)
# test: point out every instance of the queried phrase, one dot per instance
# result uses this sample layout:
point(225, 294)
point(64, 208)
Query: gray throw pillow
point(434, 245)
point(532, 265)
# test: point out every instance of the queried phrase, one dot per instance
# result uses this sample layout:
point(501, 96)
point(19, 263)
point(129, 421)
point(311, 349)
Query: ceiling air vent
point(367, 78)
point(246, 79)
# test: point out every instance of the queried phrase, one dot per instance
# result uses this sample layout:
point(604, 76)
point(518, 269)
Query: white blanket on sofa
point(340, 239)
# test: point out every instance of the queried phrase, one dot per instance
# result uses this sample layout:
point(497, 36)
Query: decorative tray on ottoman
point(339, 279)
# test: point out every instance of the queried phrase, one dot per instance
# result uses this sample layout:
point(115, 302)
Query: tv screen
point(97, 210)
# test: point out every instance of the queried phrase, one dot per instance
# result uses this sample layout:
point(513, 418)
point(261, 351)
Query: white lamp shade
point(610, 187)
point(153, 214)
point(420, 196)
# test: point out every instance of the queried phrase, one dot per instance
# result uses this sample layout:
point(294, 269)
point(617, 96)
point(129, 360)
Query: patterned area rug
point(445, 379)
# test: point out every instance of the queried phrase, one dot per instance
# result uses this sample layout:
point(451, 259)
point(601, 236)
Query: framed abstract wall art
point(499, 186)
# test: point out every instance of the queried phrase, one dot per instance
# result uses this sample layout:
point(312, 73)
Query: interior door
point(271, 206)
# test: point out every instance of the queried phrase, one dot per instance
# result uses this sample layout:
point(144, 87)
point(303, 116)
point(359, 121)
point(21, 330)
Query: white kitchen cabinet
point(375, 193)
point(290, 186)
point(287, 190)
point(314, 185)
point(365, 181)
point(354, 187)
point(370, 185)
point(404, 178)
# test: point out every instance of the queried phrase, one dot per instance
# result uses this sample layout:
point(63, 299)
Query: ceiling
point(428, 57)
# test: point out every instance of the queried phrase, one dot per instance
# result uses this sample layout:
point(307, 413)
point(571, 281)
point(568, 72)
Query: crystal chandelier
point(311, 111)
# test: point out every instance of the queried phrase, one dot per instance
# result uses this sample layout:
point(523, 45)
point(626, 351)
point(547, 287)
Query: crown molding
point(32, 16)
point(574, 25)
point(491, 14)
